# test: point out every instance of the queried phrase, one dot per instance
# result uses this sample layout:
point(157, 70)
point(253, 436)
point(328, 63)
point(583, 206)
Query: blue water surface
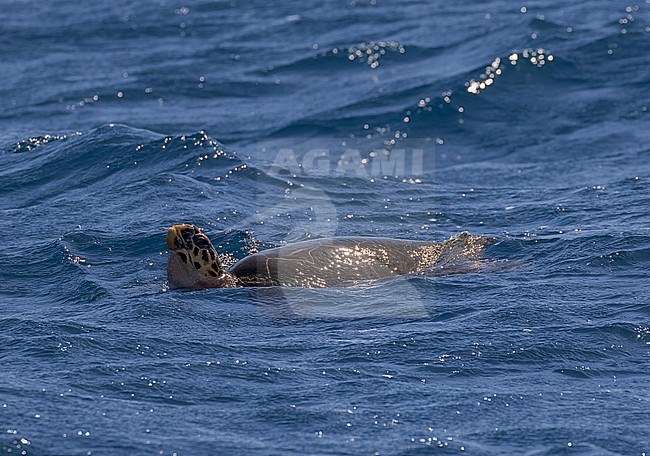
point(119, 119)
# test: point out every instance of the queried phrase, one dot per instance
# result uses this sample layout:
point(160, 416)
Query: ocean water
point(268, 123)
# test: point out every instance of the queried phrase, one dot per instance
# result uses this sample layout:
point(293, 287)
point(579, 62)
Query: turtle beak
point(172, 238)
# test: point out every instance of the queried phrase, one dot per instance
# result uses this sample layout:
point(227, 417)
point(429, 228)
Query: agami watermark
point(337, 159)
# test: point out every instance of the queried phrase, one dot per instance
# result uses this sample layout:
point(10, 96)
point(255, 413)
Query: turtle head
point(193, 261)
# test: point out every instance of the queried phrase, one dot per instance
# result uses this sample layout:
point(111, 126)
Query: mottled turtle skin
point(317, 263)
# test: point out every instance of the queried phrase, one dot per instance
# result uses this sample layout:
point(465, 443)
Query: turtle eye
point(201, 242)
point(186, 235)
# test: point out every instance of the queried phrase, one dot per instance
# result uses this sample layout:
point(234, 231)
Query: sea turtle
point(194, 263)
